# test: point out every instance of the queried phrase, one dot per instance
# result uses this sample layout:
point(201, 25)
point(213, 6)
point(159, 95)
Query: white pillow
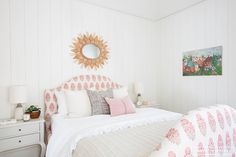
point(78, 103)
point(120, 92)
point(61, 102)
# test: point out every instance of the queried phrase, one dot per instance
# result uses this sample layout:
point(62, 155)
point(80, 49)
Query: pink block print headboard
point(93, 82)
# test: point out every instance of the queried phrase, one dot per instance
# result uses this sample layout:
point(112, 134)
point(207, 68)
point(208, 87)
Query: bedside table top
point(21, 122)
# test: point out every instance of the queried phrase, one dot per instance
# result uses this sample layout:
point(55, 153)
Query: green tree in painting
point(216, 64)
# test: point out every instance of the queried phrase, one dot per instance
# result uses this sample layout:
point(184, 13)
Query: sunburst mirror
point(90, 51)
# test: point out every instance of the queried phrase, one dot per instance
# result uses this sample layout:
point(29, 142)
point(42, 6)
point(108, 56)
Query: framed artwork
point(203, 62)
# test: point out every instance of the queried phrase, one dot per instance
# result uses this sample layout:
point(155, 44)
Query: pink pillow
point(119, 106)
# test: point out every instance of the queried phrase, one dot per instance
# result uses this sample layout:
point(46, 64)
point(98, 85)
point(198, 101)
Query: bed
point(131, 135)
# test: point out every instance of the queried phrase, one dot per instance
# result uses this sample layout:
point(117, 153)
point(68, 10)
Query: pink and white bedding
point(202, 133)
point(68, 132)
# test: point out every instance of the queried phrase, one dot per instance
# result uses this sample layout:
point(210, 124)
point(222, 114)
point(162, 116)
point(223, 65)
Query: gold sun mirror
point(90, 51)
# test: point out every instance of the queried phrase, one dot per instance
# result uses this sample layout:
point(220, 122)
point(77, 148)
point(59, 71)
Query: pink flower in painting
point(79, 86)
point(220, 144)
point(171, 154)
point(220, 119)
point(233, 113)
point(47, 97)
point(211, 148)
point(201, 150)
point(72, 86)
point(188, 152)
point(188, 128)
point(233, 155)
point(228, 141)
point(173, 136)
point(234, 137)
point(227, 116)
point(212, 122)
point(201, 124)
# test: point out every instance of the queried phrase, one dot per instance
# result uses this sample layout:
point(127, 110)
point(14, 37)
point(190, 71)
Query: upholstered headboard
point(93, 82)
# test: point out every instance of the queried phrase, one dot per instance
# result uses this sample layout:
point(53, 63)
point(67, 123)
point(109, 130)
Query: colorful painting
point(203, 62)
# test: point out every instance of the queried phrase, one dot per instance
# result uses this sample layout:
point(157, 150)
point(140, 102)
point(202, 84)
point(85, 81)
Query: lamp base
point(19, 112)
point(139, 100)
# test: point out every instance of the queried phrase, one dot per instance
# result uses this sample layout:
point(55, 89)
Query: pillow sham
point(120, 106)
point(78, 103)
point(120, 92)
point(98, 102)
point(61, 102)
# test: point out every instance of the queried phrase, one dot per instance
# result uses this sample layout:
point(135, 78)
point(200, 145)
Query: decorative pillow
point(119, 106)
point(120, 92)
point(61, 102)
point(98, 102)
point(78, 103)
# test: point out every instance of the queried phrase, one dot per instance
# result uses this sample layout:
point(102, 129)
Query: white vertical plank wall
point(36, 36)
point(208, 24)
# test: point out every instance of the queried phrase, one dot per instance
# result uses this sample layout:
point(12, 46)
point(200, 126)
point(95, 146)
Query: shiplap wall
point(35, 39)
point(35, 36)
point(208, 24)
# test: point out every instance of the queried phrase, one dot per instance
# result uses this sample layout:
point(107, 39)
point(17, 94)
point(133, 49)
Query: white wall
point(36, 35)
point(211, 23)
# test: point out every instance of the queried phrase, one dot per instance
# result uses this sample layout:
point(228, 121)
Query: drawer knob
point(19, 141)
point(19, 129)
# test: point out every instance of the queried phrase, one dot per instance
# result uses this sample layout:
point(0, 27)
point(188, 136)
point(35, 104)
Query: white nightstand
point(21, 135)
point(151, 105)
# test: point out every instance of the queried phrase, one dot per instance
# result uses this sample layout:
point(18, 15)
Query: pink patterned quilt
point(202, 133)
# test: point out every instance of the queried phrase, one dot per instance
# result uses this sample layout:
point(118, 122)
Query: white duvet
point(67, 132)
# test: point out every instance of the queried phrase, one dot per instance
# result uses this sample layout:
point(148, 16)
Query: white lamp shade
point(138, 88)
point(17, 94)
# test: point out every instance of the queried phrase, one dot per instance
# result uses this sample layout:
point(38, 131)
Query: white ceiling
point(149, 9)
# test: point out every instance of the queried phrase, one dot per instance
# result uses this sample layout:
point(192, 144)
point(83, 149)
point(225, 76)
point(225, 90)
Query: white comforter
point(67, 132)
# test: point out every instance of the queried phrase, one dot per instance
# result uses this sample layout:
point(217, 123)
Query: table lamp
point(138, 89)
point(18, 95)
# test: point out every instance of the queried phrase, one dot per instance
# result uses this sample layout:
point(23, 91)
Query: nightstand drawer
point(17, 142)
point(19, 130)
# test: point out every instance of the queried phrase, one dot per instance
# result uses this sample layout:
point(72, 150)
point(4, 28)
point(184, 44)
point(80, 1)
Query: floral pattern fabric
point(205, 132)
